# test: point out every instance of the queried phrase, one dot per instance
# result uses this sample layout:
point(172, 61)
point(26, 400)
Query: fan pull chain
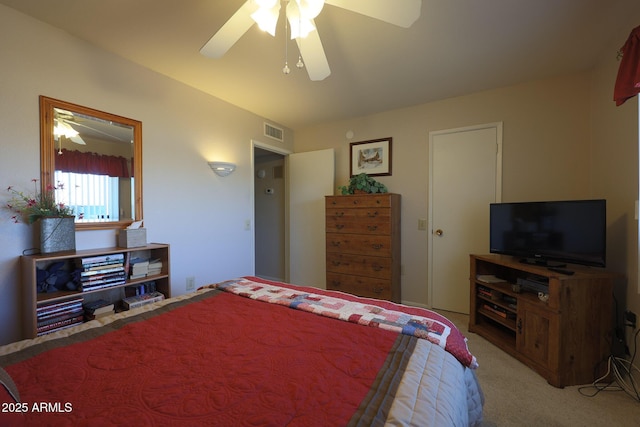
point(300, 64)
point(285, 69)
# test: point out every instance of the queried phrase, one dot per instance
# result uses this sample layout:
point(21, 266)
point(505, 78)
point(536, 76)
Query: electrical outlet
point(630, 318)
point(191, 283)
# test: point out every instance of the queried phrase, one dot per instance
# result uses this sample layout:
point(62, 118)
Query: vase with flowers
point(55, 222)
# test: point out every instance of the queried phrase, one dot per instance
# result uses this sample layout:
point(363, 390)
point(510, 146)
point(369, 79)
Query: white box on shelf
point(132, 237)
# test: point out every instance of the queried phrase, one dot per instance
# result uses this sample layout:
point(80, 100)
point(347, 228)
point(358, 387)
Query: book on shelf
point(85, 275)
point(140, 289)
point(89, 317)
point(66, 323)
point(104, 282)
point(155, 267)
point(48, 308)
point(140, 300)
point(100, 260)
point(59, 310)
point(53, 316)
point(488, 278)
point(138, 268)
point(499, 311)
point(486, 292)
point(98, 307)
point(59, 317)
point(496, 310)
point(102, 267)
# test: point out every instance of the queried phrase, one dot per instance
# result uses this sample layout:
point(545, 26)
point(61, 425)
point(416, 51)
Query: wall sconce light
point(222, 168)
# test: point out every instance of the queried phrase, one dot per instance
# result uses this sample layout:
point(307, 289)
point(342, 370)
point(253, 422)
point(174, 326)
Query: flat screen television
point(550, 233)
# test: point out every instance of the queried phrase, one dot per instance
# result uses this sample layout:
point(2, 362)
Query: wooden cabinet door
point(533, 336)
point(536, 337)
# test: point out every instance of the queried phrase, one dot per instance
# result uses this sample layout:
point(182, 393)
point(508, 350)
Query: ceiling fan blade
point(78, 140)
point(398, 12)
point(315, 60)
point(231, 31)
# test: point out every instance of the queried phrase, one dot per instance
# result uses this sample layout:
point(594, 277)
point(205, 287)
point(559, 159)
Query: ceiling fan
point(75, 126)
point(62, 126)
point(300, 15)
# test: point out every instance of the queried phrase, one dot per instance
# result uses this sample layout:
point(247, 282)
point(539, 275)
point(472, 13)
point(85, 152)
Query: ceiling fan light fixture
point(64, 129)
point(300, 28)
point(267, 17)
point(300, 16)
point(310, 9)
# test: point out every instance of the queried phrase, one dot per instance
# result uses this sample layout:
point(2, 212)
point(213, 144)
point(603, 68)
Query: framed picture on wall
point(371, 157)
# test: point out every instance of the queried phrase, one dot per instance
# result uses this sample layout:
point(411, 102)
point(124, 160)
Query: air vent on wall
point(273, 132)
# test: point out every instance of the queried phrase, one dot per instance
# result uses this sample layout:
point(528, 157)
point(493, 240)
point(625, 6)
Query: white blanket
point(431, 392)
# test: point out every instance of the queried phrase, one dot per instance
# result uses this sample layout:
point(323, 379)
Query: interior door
point(465, 176)
point(311, 177)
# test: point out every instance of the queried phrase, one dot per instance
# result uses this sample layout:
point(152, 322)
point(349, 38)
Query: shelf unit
point(565, 338)
point(33, 299)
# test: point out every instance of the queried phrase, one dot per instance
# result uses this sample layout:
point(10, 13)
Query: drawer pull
point(372, 227)
point(336, 244)
point(339, 226)
point(378, 290)
point(377, 267)
point(355, 202)
point(372, 214)
point(339, 214)
point(376, 246)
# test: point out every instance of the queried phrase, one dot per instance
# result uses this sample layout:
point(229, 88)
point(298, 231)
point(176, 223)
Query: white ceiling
point(455, 48)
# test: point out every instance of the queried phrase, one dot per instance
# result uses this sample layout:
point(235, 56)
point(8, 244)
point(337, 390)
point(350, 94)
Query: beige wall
point(563, 139)
point(614, 175)
point(545, 151)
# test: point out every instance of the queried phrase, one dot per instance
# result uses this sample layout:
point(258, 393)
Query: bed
point(248, 352)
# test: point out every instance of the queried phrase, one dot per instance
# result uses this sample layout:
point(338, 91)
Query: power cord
point(622, 371)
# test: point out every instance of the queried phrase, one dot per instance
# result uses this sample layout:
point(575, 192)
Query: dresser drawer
point(357, 227)
point(377, 214)
point(376, 245)
point(359, 201)
point(359, 265)
point(361, 286)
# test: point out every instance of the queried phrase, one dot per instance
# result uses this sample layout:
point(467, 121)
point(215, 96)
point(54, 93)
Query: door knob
point(439, 232)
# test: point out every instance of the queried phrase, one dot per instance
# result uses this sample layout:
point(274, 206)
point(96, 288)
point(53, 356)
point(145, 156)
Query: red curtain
point(628, 80)
point(93, 163)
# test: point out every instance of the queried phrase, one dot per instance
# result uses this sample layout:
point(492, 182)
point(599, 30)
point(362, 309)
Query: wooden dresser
point(363, 245)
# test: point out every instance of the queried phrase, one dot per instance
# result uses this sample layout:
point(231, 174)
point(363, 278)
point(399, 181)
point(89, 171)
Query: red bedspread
point(221, 360)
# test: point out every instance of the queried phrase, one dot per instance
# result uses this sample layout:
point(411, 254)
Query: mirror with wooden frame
point(94, 160)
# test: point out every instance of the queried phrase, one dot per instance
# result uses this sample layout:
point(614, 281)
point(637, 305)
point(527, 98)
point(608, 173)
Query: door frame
point(284, 152)
point(498, 189)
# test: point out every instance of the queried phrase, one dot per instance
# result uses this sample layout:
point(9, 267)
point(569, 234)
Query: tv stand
point(564, 334)
point(542, 262)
